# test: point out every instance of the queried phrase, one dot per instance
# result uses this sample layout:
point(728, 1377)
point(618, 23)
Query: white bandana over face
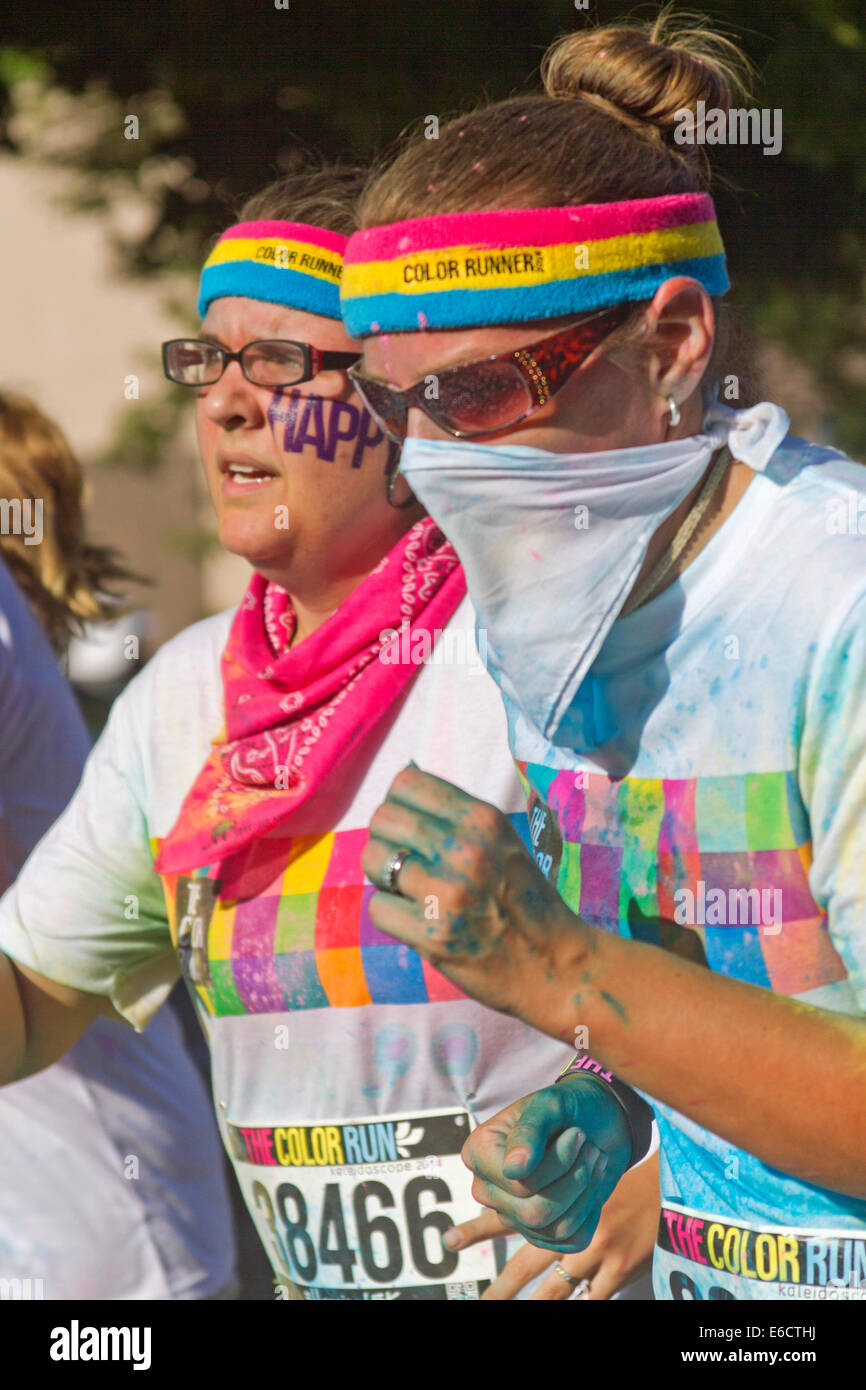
point(552, 543)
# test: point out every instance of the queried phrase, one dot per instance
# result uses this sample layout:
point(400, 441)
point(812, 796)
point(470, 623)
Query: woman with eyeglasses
point(673, 597)
point(231, 796)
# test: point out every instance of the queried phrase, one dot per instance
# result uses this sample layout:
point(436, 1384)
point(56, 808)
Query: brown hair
point(602, 131)
point(64, 577)
point(323, 194)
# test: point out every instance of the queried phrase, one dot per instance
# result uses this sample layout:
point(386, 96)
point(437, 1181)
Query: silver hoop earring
point(674, 409)
point(389, 492)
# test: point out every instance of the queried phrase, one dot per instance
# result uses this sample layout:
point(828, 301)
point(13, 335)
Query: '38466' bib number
point(357, 1210)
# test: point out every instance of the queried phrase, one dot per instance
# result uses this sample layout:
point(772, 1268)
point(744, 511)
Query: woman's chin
point(262, 546)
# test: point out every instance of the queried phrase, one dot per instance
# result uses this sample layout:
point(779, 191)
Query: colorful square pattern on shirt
point(714, 868)
point(286, 926)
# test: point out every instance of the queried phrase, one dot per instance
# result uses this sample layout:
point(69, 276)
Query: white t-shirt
point(111, 1181)
point(346, 1072)
point(718, 809)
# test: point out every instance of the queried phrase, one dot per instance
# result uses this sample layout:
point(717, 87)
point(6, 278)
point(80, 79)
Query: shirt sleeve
point(832, 774)
point(87, 908)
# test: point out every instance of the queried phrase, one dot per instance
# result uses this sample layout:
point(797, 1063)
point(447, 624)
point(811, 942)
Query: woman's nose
point(420, 426)
point(233, 400)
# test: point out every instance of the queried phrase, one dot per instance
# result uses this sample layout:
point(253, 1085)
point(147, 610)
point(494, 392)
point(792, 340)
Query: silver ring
point(392, 869)
point(580, 1286)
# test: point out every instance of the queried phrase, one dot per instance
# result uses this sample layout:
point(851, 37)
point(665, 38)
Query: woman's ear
point(681, 332)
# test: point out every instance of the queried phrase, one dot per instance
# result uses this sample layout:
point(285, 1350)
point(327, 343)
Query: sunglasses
point(487, 396)
point(277, 362)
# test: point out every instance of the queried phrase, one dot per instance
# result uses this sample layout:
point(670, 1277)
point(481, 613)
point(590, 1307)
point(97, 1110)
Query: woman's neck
point(311, 614)
point(314, 603)
point(728, 494)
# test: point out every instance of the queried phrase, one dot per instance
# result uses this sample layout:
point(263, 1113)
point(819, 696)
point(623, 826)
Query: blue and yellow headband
point(289, 263)
point(462, 270)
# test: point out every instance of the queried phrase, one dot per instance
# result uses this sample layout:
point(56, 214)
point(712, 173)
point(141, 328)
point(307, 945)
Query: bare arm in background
point(40, 1019)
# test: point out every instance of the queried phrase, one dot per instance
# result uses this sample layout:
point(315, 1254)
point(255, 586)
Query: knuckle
point(454, 898)
point(476, 857)
point(480, 1191)
point(379, 824)
point(404, 779)
point(470, 1151)
point(536, 1212)
point(549, 1100)
point(434, 951)
point(487, 819)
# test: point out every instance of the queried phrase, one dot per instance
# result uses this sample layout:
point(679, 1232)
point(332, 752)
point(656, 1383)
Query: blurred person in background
point(231, 794)
point(111, 1176)
point(101, 659)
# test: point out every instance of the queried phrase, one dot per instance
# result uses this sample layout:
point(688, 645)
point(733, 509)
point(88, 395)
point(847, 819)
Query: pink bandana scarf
point(292, 716)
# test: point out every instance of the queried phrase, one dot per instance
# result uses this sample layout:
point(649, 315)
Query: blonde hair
point(64, 578)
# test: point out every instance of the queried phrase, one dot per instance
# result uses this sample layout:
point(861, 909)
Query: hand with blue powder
point(458, 885)
point(619, 1254)
point(548, 1163)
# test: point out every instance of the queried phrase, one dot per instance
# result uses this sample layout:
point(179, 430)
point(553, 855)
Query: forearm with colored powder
point(735, 1058)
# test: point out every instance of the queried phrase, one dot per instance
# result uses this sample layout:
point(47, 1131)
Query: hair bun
point(645, 74)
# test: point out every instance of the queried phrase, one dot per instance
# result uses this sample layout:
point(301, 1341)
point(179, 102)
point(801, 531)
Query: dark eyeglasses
point(193, 362)
point(487, 396)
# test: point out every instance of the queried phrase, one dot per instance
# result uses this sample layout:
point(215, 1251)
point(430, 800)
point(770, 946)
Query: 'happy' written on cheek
point(324, 424)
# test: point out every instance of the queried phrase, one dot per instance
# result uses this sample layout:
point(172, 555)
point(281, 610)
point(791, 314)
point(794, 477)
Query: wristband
point(638, 1115)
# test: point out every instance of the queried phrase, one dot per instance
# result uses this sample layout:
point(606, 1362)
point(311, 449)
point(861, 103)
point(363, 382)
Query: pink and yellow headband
point(289, 263)
point(514, 265)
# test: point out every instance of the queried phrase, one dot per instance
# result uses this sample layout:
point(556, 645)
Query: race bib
point(704, 1257)
point(356, 1211)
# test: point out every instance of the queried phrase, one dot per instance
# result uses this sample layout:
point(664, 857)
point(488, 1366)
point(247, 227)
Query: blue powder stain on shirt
point(394, 1052)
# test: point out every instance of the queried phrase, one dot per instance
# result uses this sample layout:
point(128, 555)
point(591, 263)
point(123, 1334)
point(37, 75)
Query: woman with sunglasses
point(673, 598)
point(243, 765)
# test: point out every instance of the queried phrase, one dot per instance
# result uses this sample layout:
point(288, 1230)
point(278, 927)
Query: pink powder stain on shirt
point(423, 320)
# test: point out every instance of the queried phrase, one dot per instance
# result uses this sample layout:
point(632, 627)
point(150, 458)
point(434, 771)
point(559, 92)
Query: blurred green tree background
point(227, 95)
